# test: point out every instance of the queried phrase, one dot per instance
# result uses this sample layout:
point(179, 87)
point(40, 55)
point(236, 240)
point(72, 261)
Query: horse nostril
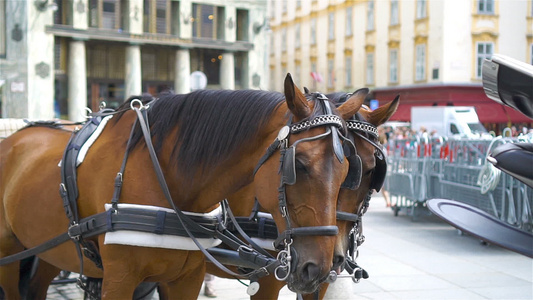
point(338, 261)
point(310, 271)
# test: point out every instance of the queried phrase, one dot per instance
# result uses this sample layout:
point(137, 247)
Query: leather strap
point(58, 240)
point(184, 220)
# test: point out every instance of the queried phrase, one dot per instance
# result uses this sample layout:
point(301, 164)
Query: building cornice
point(146, 38)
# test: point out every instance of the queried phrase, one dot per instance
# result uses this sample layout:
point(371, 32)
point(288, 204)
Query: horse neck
point(220, 182)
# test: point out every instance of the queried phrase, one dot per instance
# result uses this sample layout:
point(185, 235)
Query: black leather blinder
point(355, 172)
point(349, 148)
point(289, 166)
point(380, 172)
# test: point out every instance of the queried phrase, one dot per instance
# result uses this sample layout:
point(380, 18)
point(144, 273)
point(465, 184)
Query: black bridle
point(334, 124)
point(365, 131)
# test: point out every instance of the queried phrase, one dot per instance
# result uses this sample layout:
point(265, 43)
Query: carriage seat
point(514, 159)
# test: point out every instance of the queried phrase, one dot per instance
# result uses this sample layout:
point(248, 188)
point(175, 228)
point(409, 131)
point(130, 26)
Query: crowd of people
point(387, 133)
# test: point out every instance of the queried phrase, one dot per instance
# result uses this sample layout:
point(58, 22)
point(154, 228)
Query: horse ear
point(306, 90)
point(296, 101)
point(383, 113)
point(353, 104)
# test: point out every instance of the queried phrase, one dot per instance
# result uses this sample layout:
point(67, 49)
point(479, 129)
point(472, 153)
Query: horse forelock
point(317, 109)
point(211, 125)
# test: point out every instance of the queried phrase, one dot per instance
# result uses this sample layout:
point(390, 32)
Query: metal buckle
point(283, 210)
point(70, 235)
point(284, 257)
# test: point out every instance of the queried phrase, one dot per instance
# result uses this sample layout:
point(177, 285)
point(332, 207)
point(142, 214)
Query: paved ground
point(426, 259)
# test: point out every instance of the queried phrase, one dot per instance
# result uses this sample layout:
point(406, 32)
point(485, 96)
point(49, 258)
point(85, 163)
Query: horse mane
point(212, 124)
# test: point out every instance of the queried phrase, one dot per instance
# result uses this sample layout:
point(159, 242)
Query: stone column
point(80, 13)
point(227, 64)
point(227, 71)
point(185, 14)
point(134, 22)
point(133, 80)
point(77, 81)
point(183, 70)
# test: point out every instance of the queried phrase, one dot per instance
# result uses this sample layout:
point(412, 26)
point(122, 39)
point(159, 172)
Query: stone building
point(66, 55)
point(429, 51)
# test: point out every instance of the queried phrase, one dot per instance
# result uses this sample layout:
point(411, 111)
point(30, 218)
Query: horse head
point(367, 173)
point(302, 196)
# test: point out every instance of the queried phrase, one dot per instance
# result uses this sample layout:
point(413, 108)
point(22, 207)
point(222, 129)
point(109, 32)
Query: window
point(420, 9)
point(370, 68)
point(420, 62)
point(284, 39)
point(240, 59)
point(93, 14)
point(483, 51)
point(297, 31)
point(348, 68)
point(57, 53)
point(102, 14)
point(370, 16)
point(349, 21)
point(313, 31)
point(453, 128)
point(111, 14)
point(203, 25)
point(394, 20)
point(485, 7)
point(331, 26)
point(242, 24)
point(60, 15)
point(162, 16)
point(331, 73)
point(393, 65)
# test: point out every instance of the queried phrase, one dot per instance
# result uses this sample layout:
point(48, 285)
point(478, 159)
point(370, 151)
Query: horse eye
point(301, 167)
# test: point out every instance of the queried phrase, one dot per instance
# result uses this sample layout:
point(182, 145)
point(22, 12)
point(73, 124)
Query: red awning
point(488, 110)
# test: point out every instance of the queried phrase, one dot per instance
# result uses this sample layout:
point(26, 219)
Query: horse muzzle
point(302, 267)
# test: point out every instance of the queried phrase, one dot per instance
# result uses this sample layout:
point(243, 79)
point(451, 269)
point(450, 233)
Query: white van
point(447, 120)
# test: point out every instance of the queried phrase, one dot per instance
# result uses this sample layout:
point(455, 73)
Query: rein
point(267, 264)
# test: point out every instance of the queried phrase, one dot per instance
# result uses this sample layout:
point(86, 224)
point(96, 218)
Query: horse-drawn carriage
point(145, 197)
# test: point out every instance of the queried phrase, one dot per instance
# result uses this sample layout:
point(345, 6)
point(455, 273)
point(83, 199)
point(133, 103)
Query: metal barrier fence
point(425, 168)
point(9, 126)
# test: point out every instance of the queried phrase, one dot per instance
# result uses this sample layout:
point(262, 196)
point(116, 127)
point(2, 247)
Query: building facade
point(61, 56)
point(428, 51)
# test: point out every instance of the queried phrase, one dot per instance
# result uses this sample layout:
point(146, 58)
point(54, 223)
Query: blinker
point(353, 178)
point(381, 170)
point(288, 175)
point(349, 148)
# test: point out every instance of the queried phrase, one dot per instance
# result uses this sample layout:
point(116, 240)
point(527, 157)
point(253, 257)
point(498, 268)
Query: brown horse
point(199, 170)
point(349, 200)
